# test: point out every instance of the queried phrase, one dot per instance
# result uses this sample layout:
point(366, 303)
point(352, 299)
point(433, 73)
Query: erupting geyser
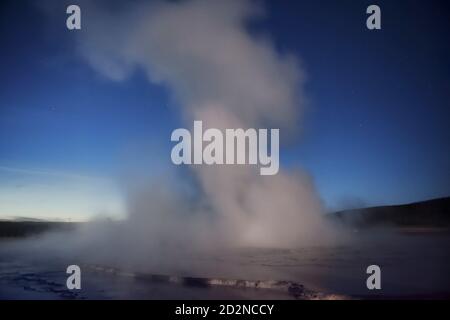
point(226, 77)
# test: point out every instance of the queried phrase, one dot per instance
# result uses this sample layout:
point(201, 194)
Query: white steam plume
point(220, 73)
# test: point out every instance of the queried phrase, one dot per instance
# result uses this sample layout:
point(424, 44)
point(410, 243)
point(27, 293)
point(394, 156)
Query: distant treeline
point(18, 229)
point(431, 213)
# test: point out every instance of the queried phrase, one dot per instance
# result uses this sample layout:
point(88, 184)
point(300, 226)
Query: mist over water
point(220, 73)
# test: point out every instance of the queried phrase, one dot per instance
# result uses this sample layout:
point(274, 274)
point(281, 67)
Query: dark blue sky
point(376, 130)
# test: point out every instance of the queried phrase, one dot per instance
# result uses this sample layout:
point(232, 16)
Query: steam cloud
point(219, 73)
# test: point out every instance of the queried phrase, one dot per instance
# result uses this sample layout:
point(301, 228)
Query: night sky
point(375, 132)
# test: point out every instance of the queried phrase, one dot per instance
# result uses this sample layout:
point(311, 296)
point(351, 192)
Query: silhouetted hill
point(431, 213)
point(17, 229)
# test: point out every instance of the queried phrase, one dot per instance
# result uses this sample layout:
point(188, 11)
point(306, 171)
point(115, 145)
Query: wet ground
point(23, 281)
point(412, 266)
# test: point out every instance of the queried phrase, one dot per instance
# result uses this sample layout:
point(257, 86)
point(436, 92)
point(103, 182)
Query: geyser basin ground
point(413, 266)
